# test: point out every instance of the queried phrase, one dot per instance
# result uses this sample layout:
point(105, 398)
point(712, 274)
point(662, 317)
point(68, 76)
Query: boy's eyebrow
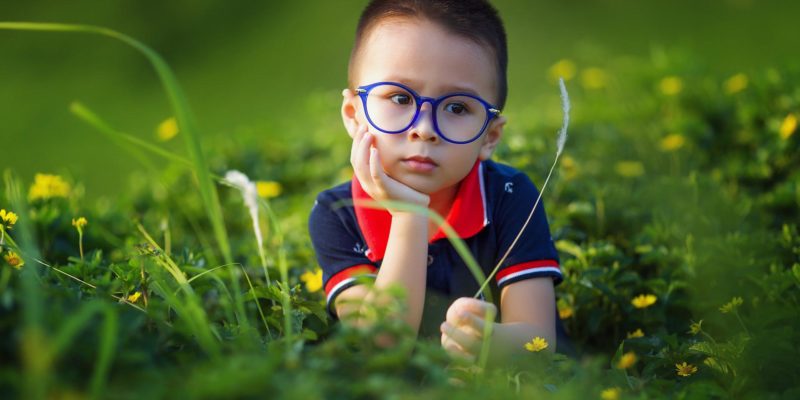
point(444, 90)
point(461, 89)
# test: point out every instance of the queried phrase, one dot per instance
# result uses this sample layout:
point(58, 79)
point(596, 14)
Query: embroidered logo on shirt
point(359, 248)
point(509, 187)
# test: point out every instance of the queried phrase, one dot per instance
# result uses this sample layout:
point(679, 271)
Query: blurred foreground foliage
point(675, 211)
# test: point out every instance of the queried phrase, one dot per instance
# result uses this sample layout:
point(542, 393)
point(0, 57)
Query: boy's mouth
point(420, 163)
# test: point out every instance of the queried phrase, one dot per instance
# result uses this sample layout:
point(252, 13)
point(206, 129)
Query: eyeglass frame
point(491, 111)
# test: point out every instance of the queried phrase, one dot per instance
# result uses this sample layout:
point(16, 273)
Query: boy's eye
point(456, 108)
point(401, 98)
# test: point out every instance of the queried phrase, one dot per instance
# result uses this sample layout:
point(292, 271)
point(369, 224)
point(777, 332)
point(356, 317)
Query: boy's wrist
point(419, 200)
point(415, 207)
point(409, 217)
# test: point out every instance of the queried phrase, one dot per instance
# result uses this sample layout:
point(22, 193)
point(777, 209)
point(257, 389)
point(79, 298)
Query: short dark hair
point(476, 20)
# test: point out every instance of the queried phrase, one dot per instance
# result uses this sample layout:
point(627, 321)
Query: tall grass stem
point(560, 142)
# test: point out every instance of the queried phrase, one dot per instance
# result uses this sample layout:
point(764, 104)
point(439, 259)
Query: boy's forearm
point(508, 339)
point(405, 264)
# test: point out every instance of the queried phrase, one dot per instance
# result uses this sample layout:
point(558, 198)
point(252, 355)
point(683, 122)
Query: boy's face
point(432, 62)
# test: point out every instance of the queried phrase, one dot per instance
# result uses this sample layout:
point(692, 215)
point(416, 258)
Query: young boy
point(427, 81)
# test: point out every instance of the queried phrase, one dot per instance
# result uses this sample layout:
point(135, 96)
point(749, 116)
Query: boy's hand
point(367, 166)
point(462, 331)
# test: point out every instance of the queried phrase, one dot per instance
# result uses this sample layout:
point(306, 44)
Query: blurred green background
point(250, 68)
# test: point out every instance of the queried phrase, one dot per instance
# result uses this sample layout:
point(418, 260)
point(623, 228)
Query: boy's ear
point(349, 112)
point(492, 137)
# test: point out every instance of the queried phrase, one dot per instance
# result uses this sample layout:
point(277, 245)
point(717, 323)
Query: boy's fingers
point(375, 169)
point(472, 306)
point(477, 323)
point(364, 149)
point(356, 141)
point(469, 323)
point(361, 166)
point(465, 340)
point(362, 130)
point(456, 350)
point(482, 308)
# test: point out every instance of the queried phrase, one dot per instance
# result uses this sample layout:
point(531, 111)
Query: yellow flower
point(627, 360)
point(47, 186)
point(670, 85)
point(14, 260)
point(636, 334)
point(629, 169)
point(565, 312)
point(313, 280)
point(610, 393)
point(8, 218)
point(672, 142)
point(735, 84)
point(788, 126)
point(134, 297)
point(644, 300)
point(731, 305)
point(268, 189)
point(79, 223)
point(167, 129)
point(696, 327)
point(536, 344)
point(685, 369)
point(594, 78)
point(563, 69)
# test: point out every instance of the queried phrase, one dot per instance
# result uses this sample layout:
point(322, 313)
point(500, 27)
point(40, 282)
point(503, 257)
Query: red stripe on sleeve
point(348, 273)
point(530, 265)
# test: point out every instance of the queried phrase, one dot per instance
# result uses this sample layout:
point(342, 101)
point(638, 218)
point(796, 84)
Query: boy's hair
point(475, 20)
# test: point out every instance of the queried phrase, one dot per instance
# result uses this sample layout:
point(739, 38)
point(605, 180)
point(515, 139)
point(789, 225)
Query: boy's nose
point(422, 128)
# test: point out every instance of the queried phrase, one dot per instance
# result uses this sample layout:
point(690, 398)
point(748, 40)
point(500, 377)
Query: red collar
point(467, 214)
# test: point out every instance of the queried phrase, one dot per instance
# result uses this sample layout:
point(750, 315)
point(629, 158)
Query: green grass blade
point(283, 266)
point(124, 140)
point(32, 353)
point(255, 300)
point(108, 341)
point(108, 338)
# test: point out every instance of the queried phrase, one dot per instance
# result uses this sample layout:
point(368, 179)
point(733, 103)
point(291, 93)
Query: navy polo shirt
point(491, 205)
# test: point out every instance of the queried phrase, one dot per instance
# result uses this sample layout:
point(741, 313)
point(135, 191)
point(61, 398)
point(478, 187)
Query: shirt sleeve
point(534, 254)
point(339, 248)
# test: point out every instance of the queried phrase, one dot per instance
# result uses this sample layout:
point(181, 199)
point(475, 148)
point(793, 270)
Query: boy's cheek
point(385, 150)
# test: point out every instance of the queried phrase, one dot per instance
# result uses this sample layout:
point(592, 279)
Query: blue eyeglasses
point(458, 118)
